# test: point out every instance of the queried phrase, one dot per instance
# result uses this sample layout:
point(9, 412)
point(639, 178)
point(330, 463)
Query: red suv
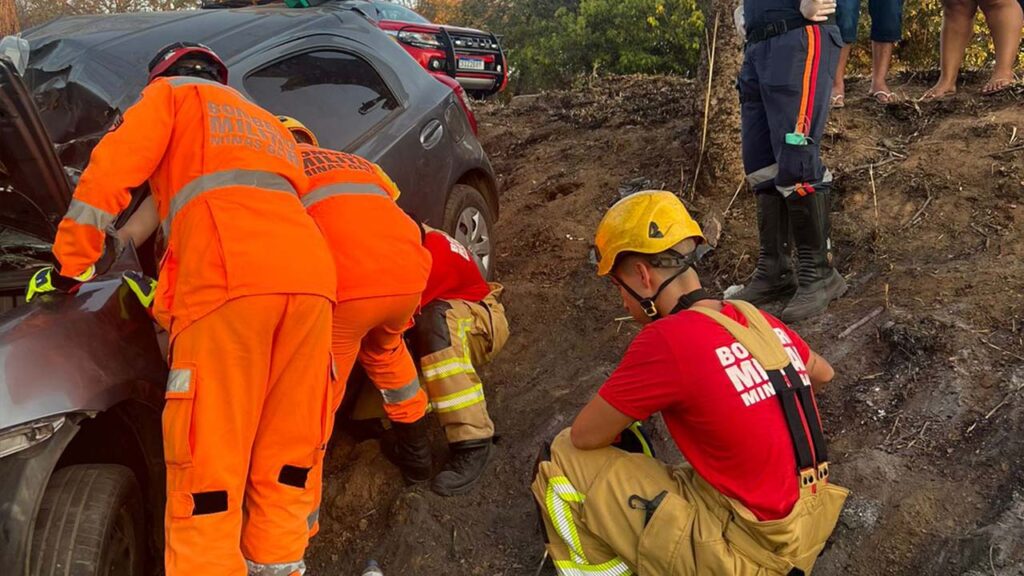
point(472, 57)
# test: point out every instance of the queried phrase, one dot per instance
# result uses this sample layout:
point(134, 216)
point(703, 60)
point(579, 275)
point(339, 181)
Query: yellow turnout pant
point(609, 513)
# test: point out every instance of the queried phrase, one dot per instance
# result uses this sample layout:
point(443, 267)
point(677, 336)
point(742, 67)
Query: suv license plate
point(471, 64)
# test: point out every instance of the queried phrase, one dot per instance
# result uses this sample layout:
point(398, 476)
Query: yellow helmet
point(648, 222)
point(298, 129)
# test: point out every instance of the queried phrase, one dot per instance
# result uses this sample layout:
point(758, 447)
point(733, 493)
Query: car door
point(354, 102)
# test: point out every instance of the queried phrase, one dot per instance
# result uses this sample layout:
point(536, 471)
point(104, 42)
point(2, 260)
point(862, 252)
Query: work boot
point(464, 468)
point(773, 279)
point(820, 283)
point(409, 449)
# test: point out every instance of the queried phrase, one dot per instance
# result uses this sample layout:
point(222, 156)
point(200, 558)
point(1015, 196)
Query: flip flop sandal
point(883, 97)
point(929, 96)
point(839, 101)
point(1009, 83)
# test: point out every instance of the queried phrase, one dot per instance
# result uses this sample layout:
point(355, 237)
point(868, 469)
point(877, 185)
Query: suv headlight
point(420, 39)
point(14, 440)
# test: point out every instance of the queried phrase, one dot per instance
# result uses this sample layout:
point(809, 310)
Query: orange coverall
point(382, 268)
point(243, 292)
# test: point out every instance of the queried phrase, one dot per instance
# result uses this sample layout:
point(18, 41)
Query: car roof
point(231, 32)
point(90, 68)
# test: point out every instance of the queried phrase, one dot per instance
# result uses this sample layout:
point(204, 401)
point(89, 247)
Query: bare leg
point(1004, 20)
point(957, 26)
point(881, 59)
point(839, 83)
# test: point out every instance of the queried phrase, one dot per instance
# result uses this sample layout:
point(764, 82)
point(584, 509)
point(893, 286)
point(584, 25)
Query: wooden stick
point(874, 196)
point(543, 561)
point(894, 424)
point(919, 212)
point(734, 196)
point(1011, 149)
point(1007, 352)
point(861, 322)
point(707, 106)
point(872, 165)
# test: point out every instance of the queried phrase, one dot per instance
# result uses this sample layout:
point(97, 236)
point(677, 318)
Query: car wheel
point(90, 523)
point(469, 219)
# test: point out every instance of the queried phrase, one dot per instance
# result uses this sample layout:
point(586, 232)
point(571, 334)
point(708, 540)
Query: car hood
point(37, 187)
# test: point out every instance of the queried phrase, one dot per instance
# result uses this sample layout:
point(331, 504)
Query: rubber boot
point(409, 449)
point(465, 467)
point(820, 283)
point(773, 279)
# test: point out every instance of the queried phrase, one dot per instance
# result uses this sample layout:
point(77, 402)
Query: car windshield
point(392, 11)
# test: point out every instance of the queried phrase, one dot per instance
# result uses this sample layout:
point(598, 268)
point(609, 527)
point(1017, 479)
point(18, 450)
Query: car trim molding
point(225, 178)
point(343, 189)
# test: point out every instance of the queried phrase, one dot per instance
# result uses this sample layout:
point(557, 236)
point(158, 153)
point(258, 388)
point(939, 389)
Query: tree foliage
point(34, 12)
point(550, 42)
point(919, 48)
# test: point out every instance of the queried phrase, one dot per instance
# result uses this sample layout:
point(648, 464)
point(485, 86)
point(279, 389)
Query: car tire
point(469, 219)
point(90, 523)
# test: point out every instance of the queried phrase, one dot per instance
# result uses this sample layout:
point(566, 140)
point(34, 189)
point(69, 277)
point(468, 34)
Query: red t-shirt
point(715, 399)
point(453, 274)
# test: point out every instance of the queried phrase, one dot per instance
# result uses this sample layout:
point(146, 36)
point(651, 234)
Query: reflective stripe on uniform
point(344, 189)
point(179, 381)
point(613, 567)
point(177, 81)
point(763, 175)
point(280, 569)
point(225, 178)
point(452, 366)
point(402, 394)
point(459, 400)
point(313, 518)
point(560, 493)
point(447, 368)
point(89, 215)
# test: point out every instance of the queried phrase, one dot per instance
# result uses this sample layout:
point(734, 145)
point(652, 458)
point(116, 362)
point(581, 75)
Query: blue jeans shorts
point(886, 19)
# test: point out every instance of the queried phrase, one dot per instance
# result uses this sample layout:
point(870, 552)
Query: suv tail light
point(463, 98)
point(466, 107)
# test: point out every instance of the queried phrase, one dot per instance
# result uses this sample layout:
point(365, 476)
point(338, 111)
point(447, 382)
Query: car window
point(392, 11)
point(336, 94)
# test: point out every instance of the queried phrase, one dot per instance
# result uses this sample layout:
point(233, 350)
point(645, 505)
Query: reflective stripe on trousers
point(270, 181)
point(314, 517)
point(280, 569)
point(560, 493)
point(343, 189)
point(398, 395)
point(451, 367)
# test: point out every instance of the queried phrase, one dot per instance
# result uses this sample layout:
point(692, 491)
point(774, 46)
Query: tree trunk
point(8, 18)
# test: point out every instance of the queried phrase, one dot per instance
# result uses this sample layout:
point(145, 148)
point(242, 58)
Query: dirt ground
point(926, 415)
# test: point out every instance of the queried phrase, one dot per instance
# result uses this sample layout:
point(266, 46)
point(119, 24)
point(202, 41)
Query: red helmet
point(170, 55)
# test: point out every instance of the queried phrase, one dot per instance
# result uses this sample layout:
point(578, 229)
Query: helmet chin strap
point(688, 300)
point(671, 257)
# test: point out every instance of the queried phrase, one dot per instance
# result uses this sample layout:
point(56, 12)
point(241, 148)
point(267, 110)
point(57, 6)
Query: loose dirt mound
point(926, 418)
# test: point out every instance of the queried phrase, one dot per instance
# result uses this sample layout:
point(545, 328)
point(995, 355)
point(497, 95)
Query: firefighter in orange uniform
point(382, 269)
point(247, 411)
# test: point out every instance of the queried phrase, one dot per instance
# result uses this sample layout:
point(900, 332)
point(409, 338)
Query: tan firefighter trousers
point(595, 506)
point(453, 338)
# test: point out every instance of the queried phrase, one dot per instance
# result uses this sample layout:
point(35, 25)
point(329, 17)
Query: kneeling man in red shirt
point(734, 386)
